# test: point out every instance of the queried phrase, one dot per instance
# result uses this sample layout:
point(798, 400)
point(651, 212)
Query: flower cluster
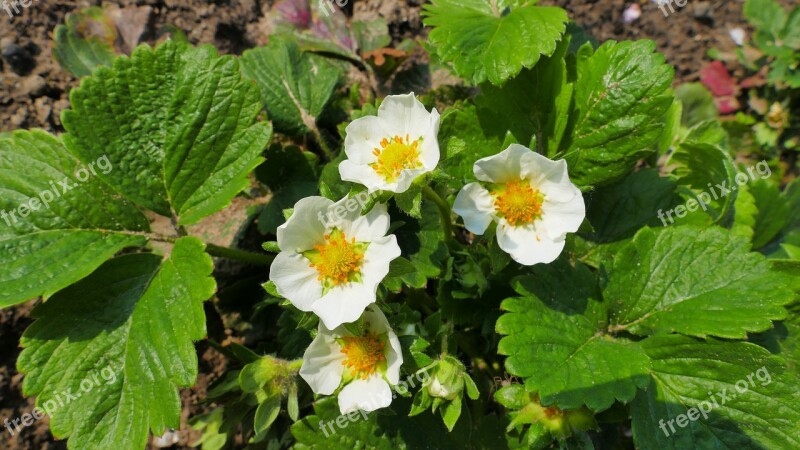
point(334, 268)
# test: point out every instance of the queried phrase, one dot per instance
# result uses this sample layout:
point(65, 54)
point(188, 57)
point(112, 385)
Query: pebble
point(34, 86)
point(19, 59)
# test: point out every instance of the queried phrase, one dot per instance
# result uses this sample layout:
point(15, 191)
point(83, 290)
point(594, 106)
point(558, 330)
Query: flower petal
point(476, 205)
point(361, 174)
point(306, 227)
point(366, 395)
point(368, 227)
point(550, 177)
point(394, 359)
point(322, 364)
point(377, 258)
point(404, 114)
point(503, 167)
point(429, 150)
point(558, 219)
point(296, 279)
point(362, 137)
point(343, 304)
point(528, 245)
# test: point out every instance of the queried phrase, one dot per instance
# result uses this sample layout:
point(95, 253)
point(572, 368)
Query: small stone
point(43, 110)
point(34, 86)
point(738, 35)
point(703, 12)
point(19, 118)
point(20, 59)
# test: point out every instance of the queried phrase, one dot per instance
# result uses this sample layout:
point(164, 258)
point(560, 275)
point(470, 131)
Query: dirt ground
point(34, 90)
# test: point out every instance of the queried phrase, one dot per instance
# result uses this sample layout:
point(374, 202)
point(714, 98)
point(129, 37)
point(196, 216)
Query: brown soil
point(34, 90)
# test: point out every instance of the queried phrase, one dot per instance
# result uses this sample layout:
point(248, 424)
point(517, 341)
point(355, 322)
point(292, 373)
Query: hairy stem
point(239, 255)
point(445, 215)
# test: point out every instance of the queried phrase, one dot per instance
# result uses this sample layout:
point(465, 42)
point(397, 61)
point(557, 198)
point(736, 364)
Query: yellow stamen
point(518, 202)
point(395, 155)
point(363, 354)
point(337, 260)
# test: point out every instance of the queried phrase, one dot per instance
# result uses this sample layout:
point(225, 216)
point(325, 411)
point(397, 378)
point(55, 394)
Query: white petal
point(362, 137)
point(476, 205)
point(361, 174)
point(528, 245)
point(429, 150)
point(306, 227)
point(366, 395)
point(343, 304)
point(550, 177)
point(407, 176)
point(366, 228)
point(503, 167)
point(394, 359)
point(558, 219)
point(295, 279)
point(377, 258)
point(322, 364)
point(404, 114)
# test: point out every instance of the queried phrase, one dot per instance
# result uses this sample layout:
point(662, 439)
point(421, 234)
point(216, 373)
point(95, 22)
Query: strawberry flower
point(530, 198)
point(366, 357)
point(390, 150)
point(332, 258)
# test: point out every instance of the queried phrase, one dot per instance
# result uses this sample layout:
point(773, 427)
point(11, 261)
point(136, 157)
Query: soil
point(34, 90)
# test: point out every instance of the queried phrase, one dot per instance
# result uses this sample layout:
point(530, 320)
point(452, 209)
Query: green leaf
point(492, 40)
point(745, 212)
point(535, 103)
point(617, 211)
point(266, 413)
point(375, 430)
point(466, 136)
point(295, 86)
point(697, 104)
point(76, 225)
point(690, 374)
point(421, 242)
point(410, 201)
point(621, 97)
point(708, 171)
point(566, 358)
point(177, 124)
point(765, 15)
point(129, 330)
point(85, 42)
point(773, 212)
point(693, 281)
point(451, 412)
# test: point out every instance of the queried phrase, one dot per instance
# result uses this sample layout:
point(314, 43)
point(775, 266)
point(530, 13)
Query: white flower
point(388, 151)
point(332, 258)
point(368, 362)
point(529, 197)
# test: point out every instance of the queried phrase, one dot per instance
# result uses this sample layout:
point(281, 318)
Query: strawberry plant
point(559, 253)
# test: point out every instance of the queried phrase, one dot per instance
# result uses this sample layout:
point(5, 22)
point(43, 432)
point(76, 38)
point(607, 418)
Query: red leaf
point(717, 79)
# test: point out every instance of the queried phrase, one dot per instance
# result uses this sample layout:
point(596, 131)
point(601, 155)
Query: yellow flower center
point(338, 260)
point(396, 155)
point(518, 202)
point(363, 354)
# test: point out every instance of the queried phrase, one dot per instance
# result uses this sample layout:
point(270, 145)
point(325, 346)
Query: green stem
point(444, 214)
point(239, 255)
point(322, 144)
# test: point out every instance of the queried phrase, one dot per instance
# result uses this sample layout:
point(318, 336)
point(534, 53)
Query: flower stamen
point(518, 202)
point(395, 155)
point(338, 260)
point(363, 354)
